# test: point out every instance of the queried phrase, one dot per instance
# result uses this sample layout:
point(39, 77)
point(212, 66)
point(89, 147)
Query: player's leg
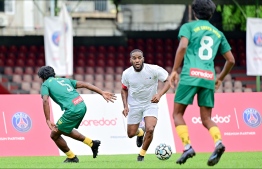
point(150, 123)
point(206, 103)
point(62, 145)
point(72, 123)
point(139, 139)
point(184, 96)
point(134, 118)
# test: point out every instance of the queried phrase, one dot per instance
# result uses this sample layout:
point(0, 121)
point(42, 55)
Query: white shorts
point(136, 114)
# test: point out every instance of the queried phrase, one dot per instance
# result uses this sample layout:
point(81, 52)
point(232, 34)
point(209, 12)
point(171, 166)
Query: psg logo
point(21, 122)
point(258, 39)
point(56, 38)
point(252, 117)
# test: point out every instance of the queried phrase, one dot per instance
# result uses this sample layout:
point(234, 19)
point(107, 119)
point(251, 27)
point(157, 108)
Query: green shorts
point(71, 118)
point(185, 95)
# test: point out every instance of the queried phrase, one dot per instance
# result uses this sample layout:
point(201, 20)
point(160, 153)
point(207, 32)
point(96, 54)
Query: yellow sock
point(140, 132)
point(70, 154)
point(142, 152)
point(182, 132)
point(88, 141)
point(215, 133)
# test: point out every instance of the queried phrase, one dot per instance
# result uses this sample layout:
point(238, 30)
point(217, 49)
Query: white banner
point(58, 38)
point(254, 46)
point(104, 121)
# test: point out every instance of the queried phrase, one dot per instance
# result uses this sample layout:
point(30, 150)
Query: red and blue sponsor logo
point(21, 122)
point(252, 117)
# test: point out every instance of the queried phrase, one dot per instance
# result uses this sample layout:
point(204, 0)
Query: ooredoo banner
point(238, 116)
point(104, 121)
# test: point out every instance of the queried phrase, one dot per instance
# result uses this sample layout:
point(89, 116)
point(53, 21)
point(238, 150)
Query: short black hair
point(45, 72)
point(135, 50)
point(203, 9)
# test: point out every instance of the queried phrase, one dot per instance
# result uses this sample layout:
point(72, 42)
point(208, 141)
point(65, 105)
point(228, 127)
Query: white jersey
point(142, 86)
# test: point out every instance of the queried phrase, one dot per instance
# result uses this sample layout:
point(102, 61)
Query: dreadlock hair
point(45, 72)
point(203, 9)
point(136, 50)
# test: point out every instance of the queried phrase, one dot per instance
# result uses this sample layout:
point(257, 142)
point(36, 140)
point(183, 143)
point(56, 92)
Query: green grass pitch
point(228, 160)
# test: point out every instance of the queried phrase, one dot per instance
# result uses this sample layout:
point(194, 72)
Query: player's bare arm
point(156, 98)
point(46, 108)
point(124, 94)
point(106, 95)
point(230, 62)
point(181, 50)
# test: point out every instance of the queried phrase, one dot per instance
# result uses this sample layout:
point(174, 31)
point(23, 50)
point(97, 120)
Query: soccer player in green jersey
point(62, 91)
point(199, 43)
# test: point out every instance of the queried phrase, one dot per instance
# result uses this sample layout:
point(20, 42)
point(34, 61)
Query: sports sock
point(88, 141)
point(182, 132)
point(140, 132)
point(142, 152)
point(70, 154)
point(216, 135)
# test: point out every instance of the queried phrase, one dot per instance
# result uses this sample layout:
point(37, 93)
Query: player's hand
point(218, 83)
point(125, 111)
point(52, 126)
point(155, 98)
point(109, 96)
point(173, 79)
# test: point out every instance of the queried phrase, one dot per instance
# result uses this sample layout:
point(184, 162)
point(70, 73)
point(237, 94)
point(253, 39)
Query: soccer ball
point(163, 151)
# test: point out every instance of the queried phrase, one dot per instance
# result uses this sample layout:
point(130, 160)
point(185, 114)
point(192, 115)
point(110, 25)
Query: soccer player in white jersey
point(140, 98)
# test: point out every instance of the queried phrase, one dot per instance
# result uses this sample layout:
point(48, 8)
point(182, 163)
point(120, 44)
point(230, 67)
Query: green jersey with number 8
point(204, 42)
point(62, 91)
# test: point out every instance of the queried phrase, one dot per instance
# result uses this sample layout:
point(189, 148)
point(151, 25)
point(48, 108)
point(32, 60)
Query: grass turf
point(228, 160)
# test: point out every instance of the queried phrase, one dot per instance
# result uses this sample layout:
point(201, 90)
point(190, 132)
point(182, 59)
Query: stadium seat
point(40, 62)
point(79, 70)
point(27, 78)
point(118, 77)
point(10, 62)
point(17, 78)
point(33, 49)
point(168, 42)
point(248, 90)
point(109, 85)
point(20, 62)
point(33, 91)
point(120, 63)
point(121, 49)
point(100, 63)
point(111, 49)
point(100, 70)
point(79, 77)
point(89, 78)
point(22, 49)
point(18, 70)
point(149, 42)
point(109, 77)
point(36, 86)
point(80, 62)
point(99, 84)
point(90, 70)
point(90, 63)
point(119, 70)
point(228, 90)
point(29, 70)
point(13, 48)
point(101, 49)
point(237, 84)
point(82, 49)
point(26, 86)
point(99, 77)
point(37, 69)
point(91, 49)
point(2, 56)
point(118, 85)
point(168, 69)
point(110, 63)
point(21, 55)
point(110, 56)
point(8, 70)
point(110, 70)
point(2, 63)
point(36, 78)
point(81, 56)
point(228, 85)
point(30, 62)
point(228, 77)
point(41, 56)
point(238, 90)
point(3, 49)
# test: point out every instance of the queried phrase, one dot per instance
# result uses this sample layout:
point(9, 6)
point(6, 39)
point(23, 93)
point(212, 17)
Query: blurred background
point(104, 33)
